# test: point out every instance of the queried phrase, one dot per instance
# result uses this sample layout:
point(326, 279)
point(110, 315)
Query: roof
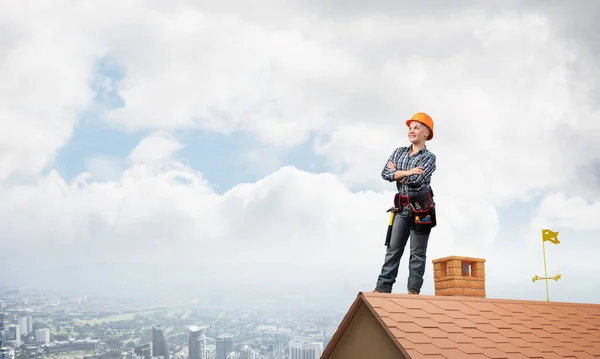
point(470, 327)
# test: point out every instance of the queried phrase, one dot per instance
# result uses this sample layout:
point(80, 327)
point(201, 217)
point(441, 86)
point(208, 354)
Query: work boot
point(413, 292)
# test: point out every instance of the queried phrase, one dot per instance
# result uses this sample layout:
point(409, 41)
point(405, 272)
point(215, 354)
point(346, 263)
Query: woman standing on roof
point(411, 168)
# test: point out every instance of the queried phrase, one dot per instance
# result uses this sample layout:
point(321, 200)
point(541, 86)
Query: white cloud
point(104, 168)
point(557, 210)
point(46, 60)
point(155, 149)
point(168, 216)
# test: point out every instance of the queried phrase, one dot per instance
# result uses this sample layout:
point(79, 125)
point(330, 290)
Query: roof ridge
point(473, 299)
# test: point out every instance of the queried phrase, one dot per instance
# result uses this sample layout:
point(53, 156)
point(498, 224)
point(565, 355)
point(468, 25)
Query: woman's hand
point(416, 171)
point(413, 171)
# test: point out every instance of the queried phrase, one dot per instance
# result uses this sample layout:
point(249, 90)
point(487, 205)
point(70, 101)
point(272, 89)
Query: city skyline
point(102, 328)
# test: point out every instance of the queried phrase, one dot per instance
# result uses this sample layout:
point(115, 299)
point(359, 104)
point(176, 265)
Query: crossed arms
point(414, 176)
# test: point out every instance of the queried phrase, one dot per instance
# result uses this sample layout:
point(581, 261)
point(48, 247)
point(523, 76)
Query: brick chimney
point(459, 276)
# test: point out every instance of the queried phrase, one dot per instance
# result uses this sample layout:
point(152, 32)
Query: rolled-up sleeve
point(387, 173)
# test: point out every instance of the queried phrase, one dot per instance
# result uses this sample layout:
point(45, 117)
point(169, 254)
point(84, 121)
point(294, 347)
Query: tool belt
point(421, 212)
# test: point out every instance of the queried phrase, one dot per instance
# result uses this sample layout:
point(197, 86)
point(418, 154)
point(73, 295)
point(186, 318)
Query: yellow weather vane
point(552, 237)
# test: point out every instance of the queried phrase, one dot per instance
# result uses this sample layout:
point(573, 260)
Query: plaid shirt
point(404, 162)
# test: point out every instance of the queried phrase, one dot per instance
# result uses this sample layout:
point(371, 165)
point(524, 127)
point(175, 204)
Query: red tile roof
point(471, 327)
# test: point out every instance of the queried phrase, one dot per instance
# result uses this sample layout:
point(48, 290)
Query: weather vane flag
point(552, 237)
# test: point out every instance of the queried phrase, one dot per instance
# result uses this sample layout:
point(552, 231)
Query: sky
point(196, 148)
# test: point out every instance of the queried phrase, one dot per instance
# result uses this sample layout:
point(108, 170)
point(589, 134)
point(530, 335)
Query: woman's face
point(417, 132)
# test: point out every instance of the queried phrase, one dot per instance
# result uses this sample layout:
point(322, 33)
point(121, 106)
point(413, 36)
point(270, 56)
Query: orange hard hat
point(424, 119)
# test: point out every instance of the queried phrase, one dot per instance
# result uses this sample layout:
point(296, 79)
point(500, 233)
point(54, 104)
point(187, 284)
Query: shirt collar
point(422, 150)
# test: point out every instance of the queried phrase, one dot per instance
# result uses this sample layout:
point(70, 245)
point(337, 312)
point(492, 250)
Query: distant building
point(144, 350)
point(160, 345)
point(247, 353)
point(224, 346)
point(305, 350)
point(13, 333)
point(42, 336)
point(278, 350)
point(77, 344)
point(2, 328)
point(85, 344)
point(197, 343)
point(211, 351)
point(26, 324)
point(7, 353)
point(23, 325)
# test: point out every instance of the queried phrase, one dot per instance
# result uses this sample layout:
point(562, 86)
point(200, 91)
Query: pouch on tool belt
point(422, 212)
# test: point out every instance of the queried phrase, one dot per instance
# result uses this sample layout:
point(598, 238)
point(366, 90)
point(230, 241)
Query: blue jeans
point(418, 255)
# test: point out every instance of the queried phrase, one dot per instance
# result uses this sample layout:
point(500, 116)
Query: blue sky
point(218, 156)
